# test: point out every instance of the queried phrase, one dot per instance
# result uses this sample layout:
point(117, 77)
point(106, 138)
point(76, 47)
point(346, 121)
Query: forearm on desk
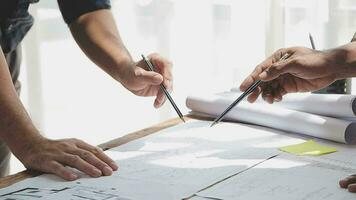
point(97, 35)
point(15, 124)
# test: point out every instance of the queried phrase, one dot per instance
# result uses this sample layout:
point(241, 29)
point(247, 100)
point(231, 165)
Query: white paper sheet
point(202, 198)
point(179, 161)
point(285, 177)
point(49, 187)
point(276, 117)
point(333, 105)
point(189, 157)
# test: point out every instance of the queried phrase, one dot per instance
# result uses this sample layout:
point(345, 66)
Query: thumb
point(148, 77)
point(276, 69)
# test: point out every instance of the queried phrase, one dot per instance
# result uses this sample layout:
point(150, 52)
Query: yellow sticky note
point(308, 148)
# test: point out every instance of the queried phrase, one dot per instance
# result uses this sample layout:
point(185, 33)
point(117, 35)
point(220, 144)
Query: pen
point(311, 41)
point(152, 68)
point(242, 96)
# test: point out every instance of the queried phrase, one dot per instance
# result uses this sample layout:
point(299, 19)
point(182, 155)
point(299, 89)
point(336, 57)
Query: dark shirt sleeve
point(72, 9)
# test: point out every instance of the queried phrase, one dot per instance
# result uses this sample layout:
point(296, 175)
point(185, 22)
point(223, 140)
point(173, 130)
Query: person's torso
point(15, 21)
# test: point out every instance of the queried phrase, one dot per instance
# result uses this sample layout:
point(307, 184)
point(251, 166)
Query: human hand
point(53, 156)
point(142, 82)
point(303, 71)
point(349, 183)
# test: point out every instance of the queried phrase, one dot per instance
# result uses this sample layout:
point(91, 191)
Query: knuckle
point(64, 145)
point(73, 159)
point(279, 53)
point(97, 151)
point(259, 68)
point(54, 166)
point(86, 155)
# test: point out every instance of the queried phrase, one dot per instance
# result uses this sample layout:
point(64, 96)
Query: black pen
point(242, 96)
point(152, 68)
point(311, 41)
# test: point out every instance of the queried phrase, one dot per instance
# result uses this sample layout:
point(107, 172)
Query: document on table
point(276, 117)
point(174, 163)
point(285, 177)
point(33, 189)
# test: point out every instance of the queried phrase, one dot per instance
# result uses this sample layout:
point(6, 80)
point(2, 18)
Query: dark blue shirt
point(15, 21)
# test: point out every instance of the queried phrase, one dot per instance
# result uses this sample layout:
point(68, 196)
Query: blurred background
point(213, 44)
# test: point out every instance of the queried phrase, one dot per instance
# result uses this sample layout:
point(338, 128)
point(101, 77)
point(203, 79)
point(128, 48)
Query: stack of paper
point(284, 117)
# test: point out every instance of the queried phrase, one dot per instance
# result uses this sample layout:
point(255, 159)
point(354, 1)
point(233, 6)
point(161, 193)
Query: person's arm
point(97, 35)
point(37, 152)
point(305, 70)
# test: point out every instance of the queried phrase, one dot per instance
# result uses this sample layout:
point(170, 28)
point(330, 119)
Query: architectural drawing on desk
point(30, 193)
point(73, 193)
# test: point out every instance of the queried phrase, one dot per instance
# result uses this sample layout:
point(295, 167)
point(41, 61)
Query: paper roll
point(263, 114)
point(332, 105)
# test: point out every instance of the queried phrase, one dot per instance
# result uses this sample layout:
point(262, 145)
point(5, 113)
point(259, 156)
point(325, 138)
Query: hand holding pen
point(248, 91)
point(163, 89)
point(138, 79)
point(306, 70)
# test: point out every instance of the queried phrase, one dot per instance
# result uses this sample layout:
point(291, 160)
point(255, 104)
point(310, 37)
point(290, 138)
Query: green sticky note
point(308, 148)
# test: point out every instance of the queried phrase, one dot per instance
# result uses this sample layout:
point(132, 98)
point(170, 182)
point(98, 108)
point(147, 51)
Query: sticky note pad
point(308, 148)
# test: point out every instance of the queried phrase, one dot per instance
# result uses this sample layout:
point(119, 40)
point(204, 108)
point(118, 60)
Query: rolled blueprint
point(263, 114)
point(333, 105)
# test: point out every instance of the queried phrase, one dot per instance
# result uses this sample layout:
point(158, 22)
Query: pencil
point(242, 96)
point(164, 90)
point(311, 41)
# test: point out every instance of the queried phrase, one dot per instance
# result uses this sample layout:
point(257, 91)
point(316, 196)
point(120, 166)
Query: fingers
point(254, 95)
point(264, 72)
point(79, 163)
point(276, 69)
point(98, 153)
point(278, 97)
point(352, 188)
point(164, 67)
point(268, 70)
point(96, 163)
point(86, 158)
point(349, 183)
point(254, 76)
point(273, 91)
point(52, 156)
point(61, 171)
point(160, 99)
point(148, 77)
point(247, 82)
